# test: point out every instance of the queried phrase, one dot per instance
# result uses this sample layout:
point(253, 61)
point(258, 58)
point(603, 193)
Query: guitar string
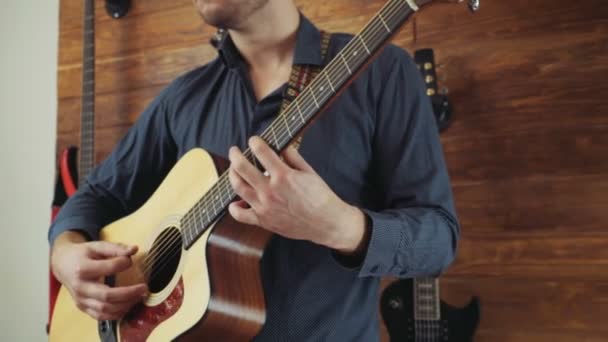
point(375, 26)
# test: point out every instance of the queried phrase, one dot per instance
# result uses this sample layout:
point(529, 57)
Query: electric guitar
point(413, 312)
point(69, 175)
point(187, 242)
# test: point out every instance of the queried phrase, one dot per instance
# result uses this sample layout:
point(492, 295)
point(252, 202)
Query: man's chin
point(216, 16)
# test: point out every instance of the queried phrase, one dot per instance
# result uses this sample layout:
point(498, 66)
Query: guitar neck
point(426, 299)
point(291, 123)
point(87, 115)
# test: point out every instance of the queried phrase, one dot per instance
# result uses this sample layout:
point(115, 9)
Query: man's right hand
point(80, 266)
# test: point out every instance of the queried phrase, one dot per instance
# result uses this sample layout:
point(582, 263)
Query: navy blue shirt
point(376, 146)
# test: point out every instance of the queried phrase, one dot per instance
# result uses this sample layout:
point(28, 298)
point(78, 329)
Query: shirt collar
point(308, 46)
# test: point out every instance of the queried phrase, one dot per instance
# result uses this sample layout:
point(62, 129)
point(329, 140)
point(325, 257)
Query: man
point(367, 195)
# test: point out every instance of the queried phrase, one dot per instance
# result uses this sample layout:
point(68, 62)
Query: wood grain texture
point(526, 151)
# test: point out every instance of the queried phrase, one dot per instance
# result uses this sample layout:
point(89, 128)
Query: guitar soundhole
point(164, 258)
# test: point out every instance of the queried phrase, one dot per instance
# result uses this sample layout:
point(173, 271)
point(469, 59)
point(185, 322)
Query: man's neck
point(267, 40)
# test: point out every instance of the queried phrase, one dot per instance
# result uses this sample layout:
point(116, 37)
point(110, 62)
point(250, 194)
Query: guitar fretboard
point(304, 109)
point(426, 299)
point(87, 114)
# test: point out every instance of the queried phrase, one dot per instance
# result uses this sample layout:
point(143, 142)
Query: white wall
point(28, 108)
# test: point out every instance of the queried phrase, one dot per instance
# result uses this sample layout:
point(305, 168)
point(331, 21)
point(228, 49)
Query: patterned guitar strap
point(301, 75)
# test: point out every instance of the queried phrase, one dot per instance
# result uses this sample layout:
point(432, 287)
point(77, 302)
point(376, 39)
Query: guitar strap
point(300, 77)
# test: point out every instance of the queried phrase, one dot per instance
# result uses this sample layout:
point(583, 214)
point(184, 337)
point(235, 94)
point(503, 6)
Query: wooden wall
point(527, 152)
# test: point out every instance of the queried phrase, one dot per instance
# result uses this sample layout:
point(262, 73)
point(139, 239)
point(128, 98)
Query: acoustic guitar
point(74, 166)
point(187, 242)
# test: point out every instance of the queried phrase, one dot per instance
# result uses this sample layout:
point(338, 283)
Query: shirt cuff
point(354, 262)
point(78, 223)
point(384, 244)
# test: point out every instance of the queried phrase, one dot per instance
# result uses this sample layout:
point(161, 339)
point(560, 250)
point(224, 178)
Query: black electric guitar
point(75, 165)
point(442, 108)
point(413, 312)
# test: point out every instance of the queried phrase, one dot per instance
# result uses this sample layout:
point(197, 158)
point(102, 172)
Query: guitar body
point(195, 297)
point(397, 308)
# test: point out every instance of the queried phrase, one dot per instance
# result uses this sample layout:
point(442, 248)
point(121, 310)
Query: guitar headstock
point(442, 108)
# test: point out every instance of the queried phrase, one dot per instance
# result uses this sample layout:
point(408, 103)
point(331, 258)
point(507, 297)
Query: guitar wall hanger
point(118, 8)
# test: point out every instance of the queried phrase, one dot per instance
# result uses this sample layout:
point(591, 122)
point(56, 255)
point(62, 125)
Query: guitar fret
point(274, 136)
point(346, 63)
point(315, 99)
point(364, 45)
point(329, 81)
point(287, 126)
point(299, 110)
point(384, 22)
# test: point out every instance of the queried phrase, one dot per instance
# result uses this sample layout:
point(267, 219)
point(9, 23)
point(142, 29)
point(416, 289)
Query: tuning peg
point(444, 91)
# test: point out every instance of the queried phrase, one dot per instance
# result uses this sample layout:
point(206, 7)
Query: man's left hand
point(292, 200)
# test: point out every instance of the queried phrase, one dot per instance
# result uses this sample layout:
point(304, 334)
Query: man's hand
point(293, 201)
point(80, 266)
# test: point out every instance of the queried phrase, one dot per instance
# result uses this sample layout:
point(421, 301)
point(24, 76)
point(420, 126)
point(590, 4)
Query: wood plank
point(145, 69)
point(559, 153)
point(538, 256)
point(543, 204)
point(520, 335)
point(534, 305)
point(113, 109)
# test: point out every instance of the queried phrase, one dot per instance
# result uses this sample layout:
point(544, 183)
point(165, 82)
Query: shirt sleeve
point(125, 180)
point(416, 231)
